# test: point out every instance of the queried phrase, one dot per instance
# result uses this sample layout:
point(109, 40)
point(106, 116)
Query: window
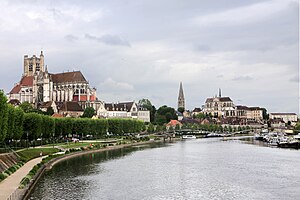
point(37, 67)
point(30, 67)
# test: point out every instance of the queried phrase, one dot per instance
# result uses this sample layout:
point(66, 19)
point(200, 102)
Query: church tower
point(33, 65)
point(181, 103)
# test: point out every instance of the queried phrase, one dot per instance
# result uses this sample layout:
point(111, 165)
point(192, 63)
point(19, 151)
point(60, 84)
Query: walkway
point(11, 183)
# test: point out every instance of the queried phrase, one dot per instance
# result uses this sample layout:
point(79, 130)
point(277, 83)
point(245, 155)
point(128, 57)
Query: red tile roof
point(56, 115)
point(27, 81)
point(174, 123)
point(16, 89)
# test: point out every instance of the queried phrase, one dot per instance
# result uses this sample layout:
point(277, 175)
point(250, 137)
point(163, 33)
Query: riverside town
point(148, 100)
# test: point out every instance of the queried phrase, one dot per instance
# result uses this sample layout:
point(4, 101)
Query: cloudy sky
point(133, 49)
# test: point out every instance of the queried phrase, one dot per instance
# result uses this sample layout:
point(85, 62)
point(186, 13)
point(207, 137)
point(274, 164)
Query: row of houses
point(102, 110)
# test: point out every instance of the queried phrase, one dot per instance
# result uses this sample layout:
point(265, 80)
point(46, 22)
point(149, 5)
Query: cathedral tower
point(181, 103)
point(33, 64)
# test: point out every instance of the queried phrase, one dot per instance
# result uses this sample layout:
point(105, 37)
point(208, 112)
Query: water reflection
point(196, 169)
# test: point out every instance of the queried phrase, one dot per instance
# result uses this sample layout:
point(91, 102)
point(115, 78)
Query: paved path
point(11, 183)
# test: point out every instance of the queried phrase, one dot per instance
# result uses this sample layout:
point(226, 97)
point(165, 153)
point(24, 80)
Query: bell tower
point(33, 65)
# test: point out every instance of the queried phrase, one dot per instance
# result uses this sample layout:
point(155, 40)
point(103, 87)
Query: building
point(219, 106)
point(249, 113)
point(124, 110)
point(181, 101)
point(286, 117)
point(38, 86)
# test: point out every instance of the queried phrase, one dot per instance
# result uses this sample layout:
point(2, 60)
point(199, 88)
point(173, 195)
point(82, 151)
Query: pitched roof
point(46, 104)
point(57, 115)
point(69, 106)
point(197, 110)
point(174, 123)
point(222, 99)
point(16, 89)
point(26, 81)
point(126, 106)
point(283, 113)
point(75, 76)
point(225, 99)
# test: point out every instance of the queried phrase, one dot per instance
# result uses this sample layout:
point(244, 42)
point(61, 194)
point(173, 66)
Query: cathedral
point(38, 86)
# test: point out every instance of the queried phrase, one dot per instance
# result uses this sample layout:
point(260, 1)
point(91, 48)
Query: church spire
point(220, 94)
point(181, 102)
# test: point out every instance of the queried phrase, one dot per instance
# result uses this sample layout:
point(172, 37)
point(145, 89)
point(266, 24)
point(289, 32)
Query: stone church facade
point(38, 86)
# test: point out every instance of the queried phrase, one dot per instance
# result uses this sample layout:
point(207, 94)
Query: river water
point(194, 169)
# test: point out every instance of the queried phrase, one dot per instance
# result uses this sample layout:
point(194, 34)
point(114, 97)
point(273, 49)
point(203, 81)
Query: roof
point(70, 106)
point(222, 99)
point(14, 102)
point(283, 113)
point(16, 89)
point(126, 106)
point(25, 81)
point(174, 123)
point(225, 99)
point(75, 76)
point(239, 107)
point(46, 104)
point(57, 115)
point(197, 110)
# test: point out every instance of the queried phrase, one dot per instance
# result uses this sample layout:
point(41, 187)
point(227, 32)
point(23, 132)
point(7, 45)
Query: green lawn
point(28, 154)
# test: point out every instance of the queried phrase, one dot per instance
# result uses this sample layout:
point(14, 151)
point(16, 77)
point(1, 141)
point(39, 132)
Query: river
point(194, 169)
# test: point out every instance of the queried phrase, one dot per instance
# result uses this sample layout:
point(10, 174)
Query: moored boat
point(188, 137)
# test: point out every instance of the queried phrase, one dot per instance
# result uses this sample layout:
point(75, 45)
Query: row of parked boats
point(279, 139)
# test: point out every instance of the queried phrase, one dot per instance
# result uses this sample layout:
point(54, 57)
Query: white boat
point(188, 137)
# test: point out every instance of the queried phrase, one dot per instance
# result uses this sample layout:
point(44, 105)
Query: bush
point(3, 176)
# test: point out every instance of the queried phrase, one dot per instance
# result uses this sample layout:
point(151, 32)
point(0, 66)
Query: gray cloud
point(71, 38)
point(242, 78)
point(109, 40)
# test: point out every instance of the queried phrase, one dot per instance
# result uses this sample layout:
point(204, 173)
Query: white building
point(286, 117)
point(123, 110)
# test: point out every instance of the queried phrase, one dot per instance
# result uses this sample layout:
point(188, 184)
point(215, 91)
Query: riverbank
point(27, 191)
point(11, 183)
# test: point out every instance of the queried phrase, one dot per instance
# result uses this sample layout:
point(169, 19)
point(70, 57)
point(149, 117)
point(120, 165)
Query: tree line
point(16, 124)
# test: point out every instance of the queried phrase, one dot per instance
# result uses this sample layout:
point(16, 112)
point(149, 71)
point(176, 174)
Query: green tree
point(26, 107)
point(164, 114)
point(200, 116)
point(3, 116)
point(18, 128)
point(265, 114)
point(10, 122)
point(89, 112)
point(181, 110)
point(150, 128)
point(49, 111)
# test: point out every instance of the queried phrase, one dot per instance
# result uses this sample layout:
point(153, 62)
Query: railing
point(17, 194)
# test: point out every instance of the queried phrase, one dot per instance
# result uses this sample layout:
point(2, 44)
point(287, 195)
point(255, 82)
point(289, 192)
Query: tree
point(10, 122)
point(146, 103)
point(164, 114)
point(26, 107)
point(265, 114)
point(49, 111)
point(19, 120)
point(3, 116)
point(200, 116)
point(181, 109)
point(89, 112)
point(150, 128)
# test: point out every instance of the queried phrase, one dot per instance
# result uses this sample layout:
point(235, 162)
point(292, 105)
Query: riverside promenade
point(11, 183)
